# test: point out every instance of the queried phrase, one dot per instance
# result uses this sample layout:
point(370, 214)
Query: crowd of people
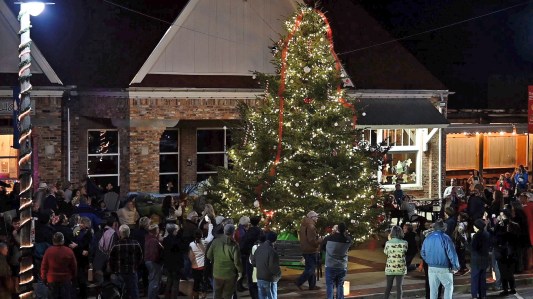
point(490, 227)
point(87, 245)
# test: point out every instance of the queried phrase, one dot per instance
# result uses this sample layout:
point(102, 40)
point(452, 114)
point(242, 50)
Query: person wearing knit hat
point(266, 260)
point(310, 245)
point(336, 246)
point(227, 266)
point(479, 260)
point(480, 224)
point(438, 251)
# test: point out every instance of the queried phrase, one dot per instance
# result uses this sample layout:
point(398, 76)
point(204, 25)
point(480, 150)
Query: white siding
point(225, 37)
point(9, 60)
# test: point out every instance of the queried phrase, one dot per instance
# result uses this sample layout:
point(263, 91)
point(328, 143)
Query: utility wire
point(341, 53)
point(435, 29)
point(167, 22)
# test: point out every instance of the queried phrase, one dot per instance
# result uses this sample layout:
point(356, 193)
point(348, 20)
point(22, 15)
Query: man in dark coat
point(476, 205)
point(266, 261)
point(246, 243)
point(479, 260)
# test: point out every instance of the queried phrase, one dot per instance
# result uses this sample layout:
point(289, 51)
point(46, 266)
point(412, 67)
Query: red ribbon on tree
point(281, 89)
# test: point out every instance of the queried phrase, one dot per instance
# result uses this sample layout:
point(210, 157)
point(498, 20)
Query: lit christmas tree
point(298, 150)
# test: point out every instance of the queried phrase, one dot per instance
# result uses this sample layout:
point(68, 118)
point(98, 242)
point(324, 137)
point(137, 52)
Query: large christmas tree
point(299, 150)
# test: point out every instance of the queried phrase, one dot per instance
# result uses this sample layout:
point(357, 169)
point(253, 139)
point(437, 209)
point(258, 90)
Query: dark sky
point(487, 62)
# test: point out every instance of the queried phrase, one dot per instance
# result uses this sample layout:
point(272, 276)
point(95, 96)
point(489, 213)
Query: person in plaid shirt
point(124, 259)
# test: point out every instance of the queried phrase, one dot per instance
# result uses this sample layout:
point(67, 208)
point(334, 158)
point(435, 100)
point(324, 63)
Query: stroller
point(112, 288)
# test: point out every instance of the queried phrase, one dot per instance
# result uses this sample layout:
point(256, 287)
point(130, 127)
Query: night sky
point(487, 62)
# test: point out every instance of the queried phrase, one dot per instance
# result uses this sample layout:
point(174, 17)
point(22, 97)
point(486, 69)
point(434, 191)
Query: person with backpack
point(104, 240)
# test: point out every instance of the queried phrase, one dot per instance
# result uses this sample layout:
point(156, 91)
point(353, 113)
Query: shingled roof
point(95, 44)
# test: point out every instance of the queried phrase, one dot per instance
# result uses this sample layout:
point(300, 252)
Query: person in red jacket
point(59, 268)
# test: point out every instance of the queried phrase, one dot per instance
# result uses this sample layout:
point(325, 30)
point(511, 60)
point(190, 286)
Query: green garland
point(24, 63)
point(24, 46)
point(22, 31)
point(24, 78)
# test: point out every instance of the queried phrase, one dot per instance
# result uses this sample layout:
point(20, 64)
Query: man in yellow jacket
point(310, 245)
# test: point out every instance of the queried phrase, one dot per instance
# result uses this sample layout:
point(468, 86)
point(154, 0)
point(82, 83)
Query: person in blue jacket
point(521, 180)
point(439, 253)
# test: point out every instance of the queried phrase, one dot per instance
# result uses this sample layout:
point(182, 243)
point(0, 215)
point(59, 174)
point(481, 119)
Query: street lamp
point(27, 232)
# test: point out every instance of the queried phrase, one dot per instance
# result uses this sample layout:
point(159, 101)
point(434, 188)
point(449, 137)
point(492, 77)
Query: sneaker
point(465, 271)
point(298, 286)
point(459, 273)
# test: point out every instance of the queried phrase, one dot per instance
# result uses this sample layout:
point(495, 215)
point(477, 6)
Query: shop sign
point(6, 107)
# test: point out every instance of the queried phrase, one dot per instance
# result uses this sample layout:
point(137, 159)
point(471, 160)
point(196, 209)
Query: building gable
point(9, 41)
point(212, 37)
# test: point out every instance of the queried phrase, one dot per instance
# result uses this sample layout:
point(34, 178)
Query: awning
point(486, 128)
point(387, 113)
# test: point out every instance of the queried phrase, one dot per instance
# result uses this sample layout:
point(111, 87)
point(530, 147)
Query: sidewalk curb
point(420, 292)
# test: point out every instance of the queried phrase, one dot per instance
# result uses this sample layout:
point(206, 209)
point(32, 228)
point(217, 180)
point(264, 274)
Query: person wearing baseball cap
point(310, 245)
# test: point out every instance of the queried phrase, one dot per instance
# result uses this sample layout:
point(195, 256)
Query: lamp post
point(27, 233)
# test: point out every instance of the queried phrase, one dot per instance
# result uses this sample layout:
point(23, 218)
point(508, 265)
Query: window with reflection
point(103, 157)
point(169, 161)
point(211, 151)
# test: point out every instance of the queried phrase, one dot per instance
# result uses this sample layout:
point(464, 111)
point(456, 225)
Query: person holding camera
point(336, 247)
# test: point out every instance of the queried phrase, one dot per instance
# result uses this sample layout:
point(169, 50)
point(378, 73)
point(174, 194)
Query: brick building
point(171, 121)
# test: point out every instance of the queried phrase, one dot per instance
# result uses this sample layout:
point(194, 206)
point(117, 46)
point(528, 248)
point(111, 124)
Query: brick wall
point(140, 123)
point(47, 133)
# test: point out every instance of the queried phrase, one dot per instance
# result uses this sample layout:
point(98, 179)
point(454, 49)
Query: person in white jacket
point(197, 251)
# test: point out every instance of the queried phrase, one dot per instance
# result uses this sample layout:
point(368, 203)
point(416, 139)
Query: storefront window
point(211, 145)
point(402, 163)
point(103, 157)
point(8, 158)
point(399, 168)
point(169, 161)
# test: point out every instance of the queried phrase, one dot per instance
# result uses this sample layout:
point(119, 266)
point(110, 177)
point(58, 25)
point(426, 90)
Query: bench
point(290, 254)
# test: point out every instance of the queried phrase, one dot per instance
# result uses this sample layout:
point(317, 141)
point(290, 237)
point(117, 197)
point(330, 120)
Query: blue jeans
point(130, 285)
point(267, 289)
point(438, 276)
point(154, 279)
point(309, 273)
point(335, 279)
point(478, 280)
